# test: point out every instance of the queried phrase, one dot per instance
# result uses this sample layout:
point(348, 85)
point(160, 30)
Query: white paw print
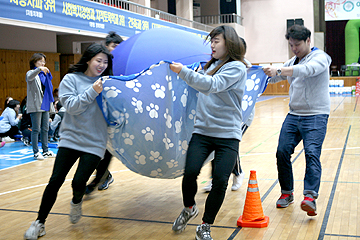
point(156, 173)
point(140, 159)
point(247, 102)
point(128, 138)
point(178, 125)
point(168, 118)
point(119, 117)
point(134, 84)
point(159, 90)
point(119, 150)
point(155, 156)
point(148, 72)
point(178, 173)
point(168, 79)
point(112, 131)
point(152, 109)
point(148, 134)
point(111, 92)
point(137, 104)
point(192, 115)
point(124, 117)
point(183, 146)
point(172, 163)
point(184, 97)
point(167, 141)
point(252, 83)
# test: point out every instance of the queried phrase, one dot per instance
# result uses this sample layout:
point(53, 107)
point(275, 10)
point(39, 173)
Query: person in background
point(83, 134)
point(237, 171)
point(7, 100)
point(103, 175)
point(10, 120)
point(221, 85)
point(39, 100)
point(55, 124)
point(308, 75)
point(25, 124)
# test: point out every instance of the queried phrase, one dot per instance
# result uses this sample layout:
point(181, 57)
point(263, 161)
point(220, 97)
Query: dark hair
point(90, 52)
point(23, 104)
point(7, 102)
point(13, 103)
point(34, 58)
point(58, 105)
point(235, 47)
point(298, 32)
point(243, 42)
point(112, 37)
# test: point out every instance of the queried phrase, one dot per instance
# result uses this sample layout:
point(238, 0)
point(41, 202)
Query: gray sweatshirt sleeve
point(313, 67)
point(226, 76)
point(31, 74)
point(73, 102)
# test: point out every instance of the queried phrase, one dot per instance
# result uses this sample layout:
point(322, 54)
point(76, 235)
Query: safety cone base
point(253, 224)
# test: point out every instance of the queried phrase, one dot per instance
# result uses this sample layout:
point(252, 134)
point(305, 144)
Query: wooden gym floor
point(137, 207)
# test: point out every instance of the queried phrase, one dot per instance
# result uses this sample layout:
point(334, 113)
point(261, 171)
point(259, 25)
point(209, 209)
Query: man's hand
point(270, 71)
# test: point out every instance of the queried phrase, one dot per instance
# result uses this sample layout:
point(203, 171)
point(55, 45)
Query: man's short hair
point(298, 32)
point(112, 37)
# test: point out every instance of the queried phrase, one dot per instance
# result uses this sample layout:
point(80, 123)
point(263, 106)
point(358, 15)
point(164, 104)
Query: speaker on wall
point(291, 22)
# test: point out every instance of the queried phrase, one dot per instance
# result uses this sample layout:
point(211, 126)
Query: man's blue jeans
point(312, 130)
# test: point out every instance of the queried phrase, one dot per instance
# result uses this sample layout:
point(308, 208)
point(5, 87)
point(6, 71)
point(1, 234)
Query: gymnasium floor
point(137, 207)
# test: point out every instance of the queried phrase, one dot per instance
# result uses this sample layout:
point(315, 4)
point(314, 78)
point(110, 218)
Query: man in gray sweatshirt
point(308, 75)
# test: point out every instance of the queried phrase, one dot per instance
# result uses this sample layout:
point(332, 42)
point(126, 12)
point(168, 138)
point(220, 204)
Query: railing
point(219, 19)
point(151, 12)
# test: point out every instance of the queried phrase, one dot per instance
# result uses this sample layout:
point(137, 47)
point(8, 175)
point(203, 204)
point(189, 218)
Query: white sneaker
point(75, 212)
point(49, 154)
point(208, 187)
point(38, 156)
point(237, 181)
point(35, 230)
point(8, 139)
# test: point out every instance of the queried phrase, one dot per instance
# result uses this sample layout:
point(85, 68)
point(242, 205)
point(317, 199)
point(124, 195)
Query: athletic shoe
point(309, 205)
point(2, 144)
point(208, 187)
point(203, 232)
point(35, 231)
point(237, 181)
point(26, 141)
point(49, 154)
point(185, 216)
point(109, 180)
point(75, 212)
point(90, 188)
point(38, 156)
point(285, 200)
point(8, 139)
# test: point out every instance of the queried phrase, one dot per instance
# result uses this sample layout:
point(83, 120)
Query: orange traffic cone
point(253, 215)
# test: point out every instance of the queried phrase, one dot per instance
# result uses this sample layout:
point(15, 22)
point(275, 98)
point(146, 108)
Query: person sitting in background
point(55, 124)
point(10, 120)
point(25, 124)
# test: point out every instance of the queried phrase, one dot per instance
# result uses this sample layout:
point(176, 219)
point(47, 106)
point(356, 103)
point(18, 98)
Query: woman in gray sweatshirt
point(83, 133)
point(218, 124)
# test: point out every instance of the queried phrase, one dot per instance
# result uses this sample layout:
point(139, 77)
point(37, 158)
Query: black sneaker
point(90, 188)
point(109, 180)
point(285, 200)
